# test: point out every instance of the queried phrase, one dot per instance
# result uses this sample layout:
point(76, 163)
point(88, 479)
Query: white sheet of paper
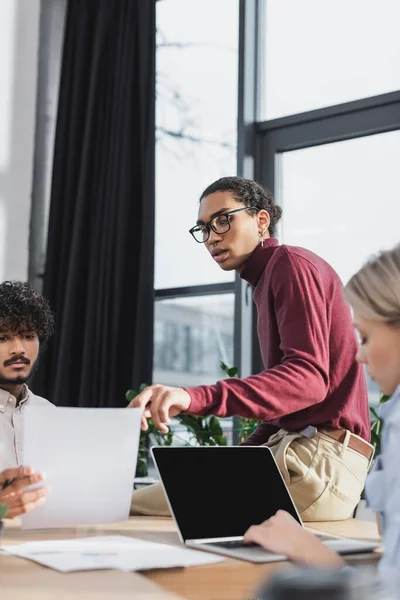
point(89, 457)
point(110, 552)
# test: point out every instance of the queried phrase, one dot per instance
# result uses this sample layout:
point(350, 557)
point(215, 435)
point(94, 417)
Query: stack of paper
point(109, 552)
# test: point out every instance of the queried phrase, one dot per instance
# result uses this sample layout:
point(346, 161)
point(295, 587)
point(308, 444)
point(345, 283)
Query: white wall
point(19, 37)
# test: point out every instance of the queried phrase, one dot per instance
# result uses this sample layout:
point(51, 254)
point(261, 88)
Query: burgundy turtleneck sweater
point(308, 348)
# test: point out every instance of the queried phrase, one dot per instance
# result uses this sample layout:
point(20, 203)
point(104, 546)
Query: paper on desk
point(110, 552)
point(89, 457)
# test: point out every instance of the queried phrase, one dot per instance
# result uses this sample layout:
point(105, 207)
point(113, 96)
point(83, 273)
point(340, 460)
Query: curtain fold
point(100, 252)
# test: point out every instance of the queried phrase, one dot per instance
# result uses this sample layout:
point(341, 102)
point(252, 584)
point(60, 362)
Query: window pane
point(319, 54)
point(191, 337)
point(197, 58)
point(341, 201)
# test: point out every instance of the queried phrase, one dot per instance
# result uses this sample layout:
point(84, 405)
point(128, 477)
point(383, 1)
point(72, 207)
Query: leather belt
point(355, 443)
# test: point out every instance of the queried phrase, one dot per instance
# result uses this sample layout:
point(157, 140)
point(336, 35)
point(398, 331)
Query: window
point(320, 54)
point(342, 200)
point(192, 336)
point(329, 138)
point(197, 80)
point(197, 58)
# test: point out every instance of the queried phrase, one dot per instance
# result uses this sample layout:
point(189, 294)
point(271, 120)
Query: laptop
point(215, 493)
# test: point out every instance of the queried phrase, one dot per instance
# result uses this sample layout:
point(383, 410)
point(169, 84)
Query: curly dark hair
point(250, 193)
point(20, 305)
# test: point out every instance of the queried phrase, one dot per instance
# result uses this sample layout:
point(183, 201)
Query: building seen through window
point(192, 336)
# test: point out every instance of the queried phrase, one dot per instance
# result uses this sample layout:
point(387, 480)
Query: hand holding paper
point(15, 498)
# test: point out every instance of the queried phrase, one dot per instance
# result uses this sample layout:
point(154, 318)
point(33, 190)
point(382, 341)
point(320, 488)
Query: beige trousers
point(325, 478)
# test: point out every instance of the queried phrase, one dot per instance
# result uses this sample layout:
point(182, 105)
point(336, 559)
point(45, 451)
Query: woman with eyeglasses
point(311, 395)
point(374, 294)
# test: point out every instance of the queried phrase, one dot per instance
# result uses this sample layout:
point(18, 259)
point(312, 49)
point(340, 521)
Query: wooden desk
point(229, 580)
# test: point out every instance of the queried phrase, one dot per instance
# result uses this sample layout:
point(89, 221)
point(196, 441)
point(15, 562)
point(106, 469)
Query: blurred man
point(26, 324)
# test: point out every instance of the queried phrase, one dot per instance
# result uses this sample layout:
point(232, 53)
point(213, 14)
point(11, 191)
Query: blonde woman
point(374, 295)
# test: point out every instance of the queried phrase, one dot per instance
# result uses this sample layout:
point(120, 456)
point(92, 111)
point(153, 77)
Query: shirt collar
point(258, 260)
point(4, 397)
point(24, 395)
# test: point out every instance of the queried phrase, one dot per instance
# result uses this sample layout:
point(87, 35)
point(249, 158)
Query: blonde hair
point(374, 291)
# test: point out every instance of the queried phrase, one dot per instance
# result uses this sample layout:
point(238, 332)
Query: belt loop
point(345, 442)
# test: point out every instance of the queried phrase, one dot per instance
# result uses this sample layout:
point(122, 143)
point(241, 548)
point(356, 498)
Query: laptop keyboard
point(234, 544)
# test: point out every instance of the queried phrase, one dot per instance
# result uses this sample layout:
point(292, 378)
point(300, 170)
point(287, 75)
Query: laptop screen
point(221, 491)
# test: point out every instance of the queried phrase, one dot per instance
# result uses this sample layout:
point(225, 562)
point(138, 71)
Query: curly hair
point(22, 306)
point(250, 193)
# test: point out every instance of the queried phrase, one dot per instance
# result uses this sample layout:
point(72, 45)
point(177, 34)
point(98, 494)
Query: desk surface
point(230, 580)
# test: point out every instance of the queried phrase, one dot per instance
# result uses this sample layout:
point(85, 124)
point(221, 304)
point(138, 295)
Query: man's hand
point(282, 534)
point(160, 403)
point(15, 497)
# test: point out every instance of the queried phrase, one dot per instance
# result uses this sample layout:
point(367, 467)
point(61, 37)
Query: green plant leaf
point(162, 439)
point(221, 440)
point(376, 425)
point(246, 427)
point(141, 468)
point(3, 510)
point(230, 371)
point(195, 424)
point(130, 395)
point(233, 372)
point(375, 440)
point(215, 426)
point(373, 412)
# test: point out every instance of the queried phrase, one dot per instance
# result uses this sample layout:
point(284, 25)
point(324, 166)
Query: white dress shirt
point(11, 422)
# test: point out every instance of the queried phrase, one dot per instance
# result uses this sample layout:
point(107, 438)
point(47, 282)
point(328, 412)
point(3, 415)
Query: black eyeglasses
point(219, 224)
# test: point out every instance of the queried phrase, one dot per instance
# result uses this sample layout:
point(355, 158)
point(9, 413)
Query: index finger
point(141, 399)
point(14, 473)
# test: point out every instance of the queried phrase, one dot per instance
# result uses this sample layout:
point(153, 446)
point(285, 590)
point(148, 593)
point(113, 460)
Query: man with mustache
point(26, 324)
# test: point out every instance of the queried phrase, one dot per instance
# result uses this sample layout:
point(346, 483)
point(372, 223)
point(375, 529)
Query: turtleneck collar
point(257, 261)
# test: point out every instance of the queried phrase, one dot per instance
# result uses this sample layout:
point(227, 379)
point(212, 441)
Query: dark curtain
point(100, 254)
